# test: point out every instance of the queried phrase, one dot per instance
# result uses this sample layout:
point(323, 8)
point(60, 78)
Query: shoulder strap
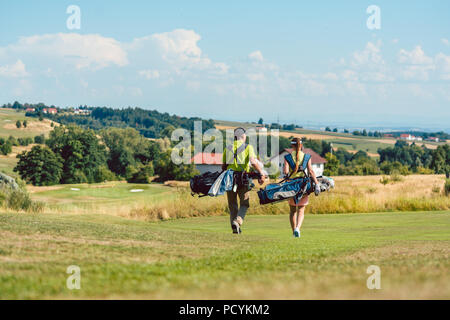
point(302, 167)
point(241, 148)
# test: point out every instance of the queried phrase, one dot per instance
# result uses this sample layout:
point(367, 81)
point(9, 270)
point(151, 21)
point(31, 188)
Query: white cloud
point(149, 74)
point(370, 56)
point(255, 76)
point(443, 66)
point(331, 76)
point(349, 75)
point(82, 51)
point(417, 64)
point(414, 57)
point(179, 49)
point(445, 41)
point(16, 70)
point(256, 56)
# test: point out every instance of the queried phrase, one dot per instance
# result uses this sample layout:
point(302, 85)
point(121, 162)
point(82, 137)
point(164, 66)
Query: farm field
point(199, 258)
point(8, 118)
point(347, 141)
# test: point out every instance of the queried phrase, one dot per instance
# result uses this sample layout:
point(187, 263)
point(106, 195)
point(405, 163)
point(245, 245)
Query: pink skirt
point(303, 201)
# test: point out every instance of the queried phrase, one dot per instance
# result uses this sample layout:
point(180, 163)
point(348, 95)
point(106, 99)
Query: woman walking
point(297, 211)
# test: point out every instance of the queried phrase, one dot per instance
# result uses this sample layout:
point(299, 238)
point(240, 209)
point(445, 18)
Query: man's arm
point(224, 161)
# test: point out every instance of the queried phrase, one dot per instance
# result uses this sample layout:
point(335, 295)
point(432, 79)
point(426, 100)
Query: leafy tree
point(18, 124)
point(335, 130)
point(40, 139)
point(440, 162)
point(39, 166)
point(260, 121)
point(80, 150)
point(25, 123)
point(142, 174)
point(128, 148)
point(6, 148)
point(328, 129)
point(167, 170)
point(332, 165)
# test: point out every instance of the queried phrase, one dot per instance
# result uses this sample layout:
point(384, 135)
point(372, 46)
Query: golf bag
point(201, 184)
point(293, 188)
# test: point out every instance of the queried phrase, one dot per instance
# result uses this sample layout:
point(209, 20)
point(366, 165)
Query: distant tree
point(6, 148)
point(364, 133)
point(346, 131)
point(25, 123)
point(40, 166)
point(260, 121)
point(18, 124)
point(335, 130)
point(40, 139)
point(332, 165)
point(440, 162)
point(167, 170)
point(327, 129)
point(81, 151)
point(142, 174)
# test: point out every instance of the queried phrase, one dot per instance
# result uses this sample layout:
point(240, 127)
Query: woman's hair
point(297, 142)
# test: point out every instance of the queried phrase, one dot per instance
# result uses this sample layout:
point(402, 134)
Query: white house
point(317, 162)
point(207, 162)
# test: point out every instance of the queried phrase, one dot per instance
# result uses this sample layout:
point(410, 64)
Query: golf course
point(199, 258)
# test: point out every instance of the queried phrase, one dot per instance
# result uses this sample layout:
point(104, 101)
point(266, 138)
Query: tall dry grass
point(352, 194)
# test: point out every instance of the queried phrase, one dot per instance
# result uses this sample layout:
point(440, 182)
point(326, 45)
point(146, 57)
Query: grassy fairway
point(199, 258)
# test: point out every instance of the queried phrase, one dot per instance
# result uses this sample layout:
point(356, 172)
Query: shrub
point(40, 139)
point(142, 175)
point(395, 176)
point(18, 200)
point(103, 174)
point(447, 187)
point(384, 180)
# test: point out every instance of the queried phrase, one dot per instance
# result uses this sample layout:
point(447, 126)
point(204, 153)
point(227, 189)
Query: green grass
point(199, 258)
point(106, 197)
point(358, 144)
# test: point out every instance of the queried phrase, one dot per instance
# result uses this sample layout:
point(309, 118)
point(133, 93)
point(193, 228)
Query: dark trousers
point(244, 202)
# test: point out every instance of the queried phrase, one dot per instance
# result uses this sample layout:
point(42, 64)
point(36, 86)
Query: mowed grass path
point(110, 197)
point(198, 258)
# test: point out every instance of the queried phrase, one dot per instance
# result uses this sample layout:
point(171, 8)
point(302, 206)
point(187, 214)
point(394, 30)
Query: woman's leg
point(292, 216)
point(300, 216)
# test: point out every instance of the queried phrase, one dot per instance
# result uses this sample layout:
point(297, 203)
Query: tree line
point(73, 154)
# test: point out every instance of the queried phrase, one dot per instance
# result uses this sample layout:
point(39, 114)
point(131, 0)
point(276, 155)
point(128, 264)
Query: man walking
point(240, 157)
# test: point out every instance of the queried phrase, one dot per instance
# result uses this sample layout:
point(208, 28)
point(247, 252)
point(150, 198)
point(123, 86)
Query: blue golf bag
point(294, 188)
point(284, 190)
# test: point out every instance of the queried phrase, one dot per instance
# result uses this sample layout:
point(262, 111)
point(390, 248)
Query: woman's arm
point(286, 168)
point(311, 172)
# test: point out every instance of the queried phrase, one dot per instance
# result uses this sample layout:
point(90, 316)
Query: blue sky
point(303, 62)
